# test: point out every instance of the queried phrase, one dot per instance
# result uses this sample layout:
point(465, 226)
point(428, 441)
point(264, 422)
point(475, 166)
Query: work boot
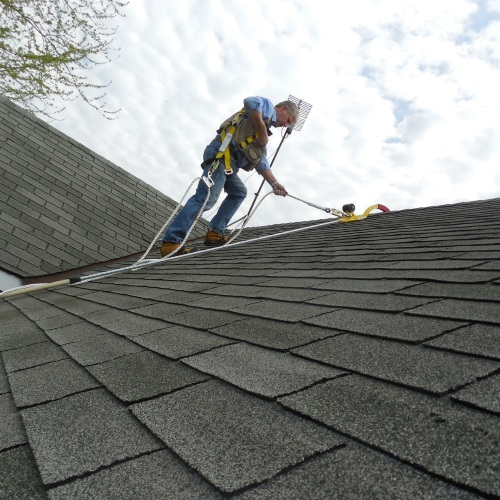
point(215, 239)
point(168, 247)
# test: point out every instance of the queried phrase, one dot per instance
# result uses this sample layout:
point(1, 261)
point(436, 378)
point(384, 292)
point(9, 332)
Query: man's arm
point(278, 188)
point(258, 123)
point(259, 110)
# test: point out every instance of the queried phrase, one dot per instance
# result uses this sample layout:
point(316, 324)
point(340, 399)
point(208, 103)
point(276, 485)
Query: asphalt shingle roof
point(64, 206)
point(356, 360)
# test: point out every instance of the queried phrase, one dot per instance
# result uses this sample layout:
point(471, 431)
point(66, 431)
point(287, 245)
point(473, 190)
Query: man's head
point(287, 114)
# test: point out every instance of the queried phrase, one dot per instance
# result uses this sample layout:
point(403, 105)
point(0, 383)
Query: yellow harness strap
point(226, 136)
point(247, 142)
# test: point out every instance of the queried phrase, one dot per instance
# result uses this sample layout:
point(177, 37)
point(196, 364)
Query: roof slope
point(356, 360)
point(62, 205)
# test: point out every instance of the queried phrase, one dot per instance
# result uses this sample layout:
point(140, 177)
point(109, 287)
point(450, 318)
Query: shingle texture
point(354, 360)
point(62, 205)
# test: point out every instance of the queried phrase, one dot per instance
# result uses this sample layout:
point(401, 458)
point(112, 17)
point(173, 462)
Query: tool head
point(304, 109)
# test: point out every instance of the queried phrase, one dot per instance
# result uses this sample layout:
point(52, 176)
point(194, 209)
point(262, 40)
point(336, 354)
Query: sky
point(405, 98)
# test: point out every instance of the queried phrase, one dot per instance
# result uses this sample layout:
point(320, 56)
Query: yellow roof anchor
point(350, 216)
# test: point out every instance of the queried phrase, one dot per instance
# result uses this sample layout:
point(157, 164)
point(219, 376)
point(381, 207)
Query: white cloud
point(406, 110)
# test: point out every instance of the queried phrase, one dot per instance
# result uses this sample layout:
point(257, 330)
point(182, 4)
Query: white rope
point(35, 286)
point(147, 263)
point(138, 265)
point(160, 232)
point(32, 285)
point(325, 209)
point(143, 262)
point(246, 220)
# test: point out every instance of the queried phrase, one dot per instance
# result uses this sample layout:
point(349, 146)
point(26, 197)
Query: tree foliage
point(47, 48)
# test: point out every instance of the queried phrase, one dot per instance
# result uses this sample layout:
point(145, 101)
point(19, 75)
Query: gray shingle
point(161, 311)
point(223, 303)
point(354, 473)
point(418, 255)
point(484, 394)
point(19, 476)
point(233, 290)
point(232, 439)
point(204, 318)
point(452, 276)
point(143, 375)
point(13, 320)
point(435, 264)
point(364, 285)
point(49, 382)
point(483, 340)
point(141, 292)
point(172, 297)
point(75, 333)
point(18, 339)
point(125, 323)
point(369, 301)
point(273, 334)
point(283, 311)
point(116, 300)
point(100, 348)
point(393, 326)
point(8, 311)
point(166, 284)
point(77, 306)
point(457, 291)
point(35, 309)
point(11, 431)
point(410, 426)
point(414, 366)
point(64, 319)
point(82, 433)
point(259, 370)
point(180, 341)
point(493, 266)
point(295, 282)
point(157, 475)
point(290, 294)
point(32, 355)
point(4, 382)
point(461, 309)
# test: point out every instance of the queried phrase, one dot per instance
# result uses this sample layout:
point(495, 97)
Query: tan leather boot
point(169, 246)
point(215, 239)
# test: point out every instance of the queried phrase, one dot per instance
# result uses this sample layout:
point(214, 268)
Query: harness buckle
point(228, 171)
point(214, 166)
point(208, 180)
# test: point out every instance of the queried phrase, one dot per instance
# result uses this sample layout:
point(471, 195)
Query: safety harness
point(227, 131)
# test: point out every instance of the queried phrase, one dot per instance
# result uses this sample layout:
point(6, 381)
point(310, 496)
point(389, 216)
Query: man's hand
point(279, 189)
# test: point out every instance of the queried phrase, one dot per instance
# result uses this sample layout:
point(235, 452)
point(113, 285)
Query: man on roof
point(250, 130)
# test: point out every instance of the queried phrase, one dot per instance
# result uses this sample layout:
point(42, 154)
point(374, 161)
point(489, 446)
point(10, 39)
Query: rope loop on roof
point(147, 263)
point(143, 262)
point(162, 230)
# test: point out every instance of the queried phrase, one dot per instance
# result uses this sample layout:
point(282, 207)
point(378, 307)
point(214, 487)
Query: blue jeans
point(232, 184)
